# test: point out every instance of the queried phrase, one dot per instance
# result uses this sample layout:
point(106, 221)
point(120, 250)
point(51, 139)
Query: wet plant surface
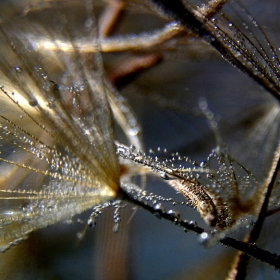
point(112, 108)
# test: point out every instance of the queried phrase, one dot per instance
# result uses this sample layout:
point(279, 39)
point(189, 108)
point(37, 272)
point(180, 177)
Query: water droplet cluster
point(220, 188)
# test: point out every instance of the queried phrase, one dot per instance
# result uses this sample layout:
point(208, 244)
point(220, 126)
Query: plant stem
point(247, 248)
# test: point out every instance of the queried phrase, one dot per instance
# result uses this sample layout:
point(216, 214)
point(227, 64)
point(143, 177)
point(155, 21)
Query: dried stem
point(132, 66)
point(111, 17)
point(247, 248)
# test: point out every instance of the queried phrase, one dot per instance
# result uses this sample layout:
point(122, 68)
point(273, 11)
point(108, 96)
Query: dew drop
point(116, 227)
point(18, 69)
point(159, 207)
point(193, 223)
point(164, 176)
point(204, 236)
point(133, 131)
point(91, 222)
point(203, 164)
point(33, 102)
point(208, 239)
point(174, 214)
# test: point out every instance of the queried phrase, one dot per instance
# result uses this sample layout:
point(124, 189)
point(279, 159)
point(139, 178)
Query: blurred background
point(165, 96)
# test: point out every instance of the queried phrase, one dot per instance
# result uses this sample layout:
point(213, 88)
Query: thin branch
point(110, 17)
point(129, 67)
point(129, 42)
point(249, 249)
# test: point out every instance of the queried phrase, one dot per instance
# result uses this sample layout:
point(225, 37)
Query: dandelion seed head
point(57, 120)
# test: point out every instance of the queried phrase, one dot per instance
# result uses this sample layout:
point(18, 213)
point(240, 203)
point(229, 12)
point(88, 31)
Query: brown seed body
point(213, 210)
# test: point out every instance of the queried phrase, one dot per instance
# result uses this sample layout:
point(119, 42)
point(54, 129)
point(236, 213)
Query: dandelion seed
point(66, 146)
